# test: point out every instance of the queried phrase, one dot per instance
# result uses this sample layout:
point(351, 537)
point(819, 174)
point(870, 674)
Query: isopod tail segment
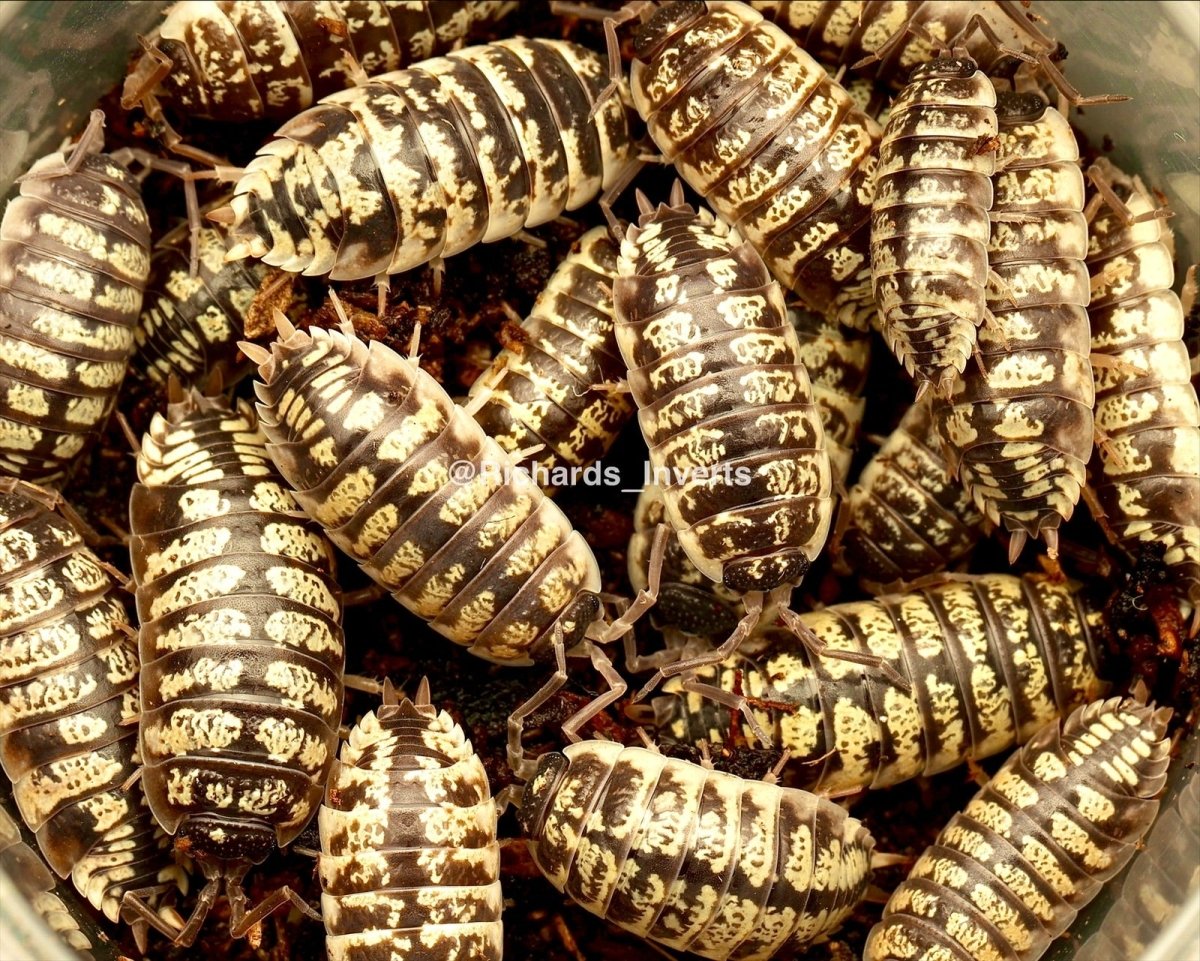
point(136, 910)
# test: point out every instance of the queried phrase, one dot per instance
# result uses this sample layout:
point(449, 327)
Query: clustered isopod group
point(834, 621)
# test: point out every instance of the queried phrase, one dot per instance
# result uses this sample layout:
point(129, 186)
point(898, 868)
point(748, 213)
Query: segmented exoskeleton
point(725, 404)
point(24, 868)
point(772, 143)
point(990, 659)
point(409, 863)
point(68, 700)
point(1146, 472)
point(238, 61)
point(241, 648)
point(1009, 874)
point(425, 162)
point(897, 35)
point(689, 857)
point(190, 325)
point(74, 256)
point(557, 387)
point(1162, 879)
point(1018, 425)
point(929, 218)
point(432, 509)
point(906, 517)
point(838, 362)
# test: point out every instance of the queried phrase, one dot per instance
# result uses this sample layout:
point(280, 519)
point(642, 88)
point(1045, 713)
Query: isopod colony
point(711, 386)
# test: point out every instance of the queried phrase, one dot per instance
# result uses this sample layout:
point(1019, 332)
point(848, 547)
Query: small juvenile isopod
point(558, 387)
point(1146, 475)
point(262, 58)
point(409, 863)
point(68, 703)
point(241, 649)
point(689, 857)
point(1018, 425)
point(74, 256)
point(425, 162)
point(1063, 815)
point(989, 660)
point(906, 517)
point(190, 325)
point(929, 218)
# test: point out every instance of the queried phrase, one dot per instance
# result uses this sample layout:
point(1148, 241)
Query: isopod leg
point(136, 910)
point(645, 598)
point(754, 607)
point(616, 687)
point(1105, 194)
point(523, 769)
point(735, 702)
point(241, 921)
point(818, 648)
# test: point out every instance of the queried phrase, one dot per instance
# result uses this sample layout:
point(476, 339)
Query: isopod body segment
point(241, 643)
point(929, 218)
point(425, 162)
point(68, 695)
point(692, 858)
point(239, 61)
point(407, 483)
point(409, 861)
point(775, 146)
point(1063, 815)
point(989, 660)
point(1146, 472)
point(557, 387)
point(74, 257)
point(725, 404)
point(1018, 425)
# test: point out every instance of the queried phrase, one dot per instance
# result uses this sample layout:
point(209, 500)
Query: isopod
point(689, 857)
point(409, 854)
point(425, 162)
point(248, 60)
point(68, 703)
point(990, 659)
point(775, 146)
point(1146, 475)
point(1063, 815)
point(557, 387)
point(906, 516)
point(929, 218)
point(190, 325)
point(1018, 425)
point(74, 257)
point(241, 649)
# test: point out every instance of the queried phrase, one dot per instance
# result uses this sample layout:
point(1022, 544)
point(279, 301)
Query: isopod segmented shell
point(988, 659)
point(1018, 425)
point(906, 517)
point(929, 218)
point(772, 143)
point(725, 404)
point(557, 387)
point(425, 162)
point(1146, 473)
point(692, 858)
point(408, 484)
point(408, 842)
point(68, 697)
point(241, 642)
point(262, 58)
point(190, 325)
point(74, 257)
point(1063, 815)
